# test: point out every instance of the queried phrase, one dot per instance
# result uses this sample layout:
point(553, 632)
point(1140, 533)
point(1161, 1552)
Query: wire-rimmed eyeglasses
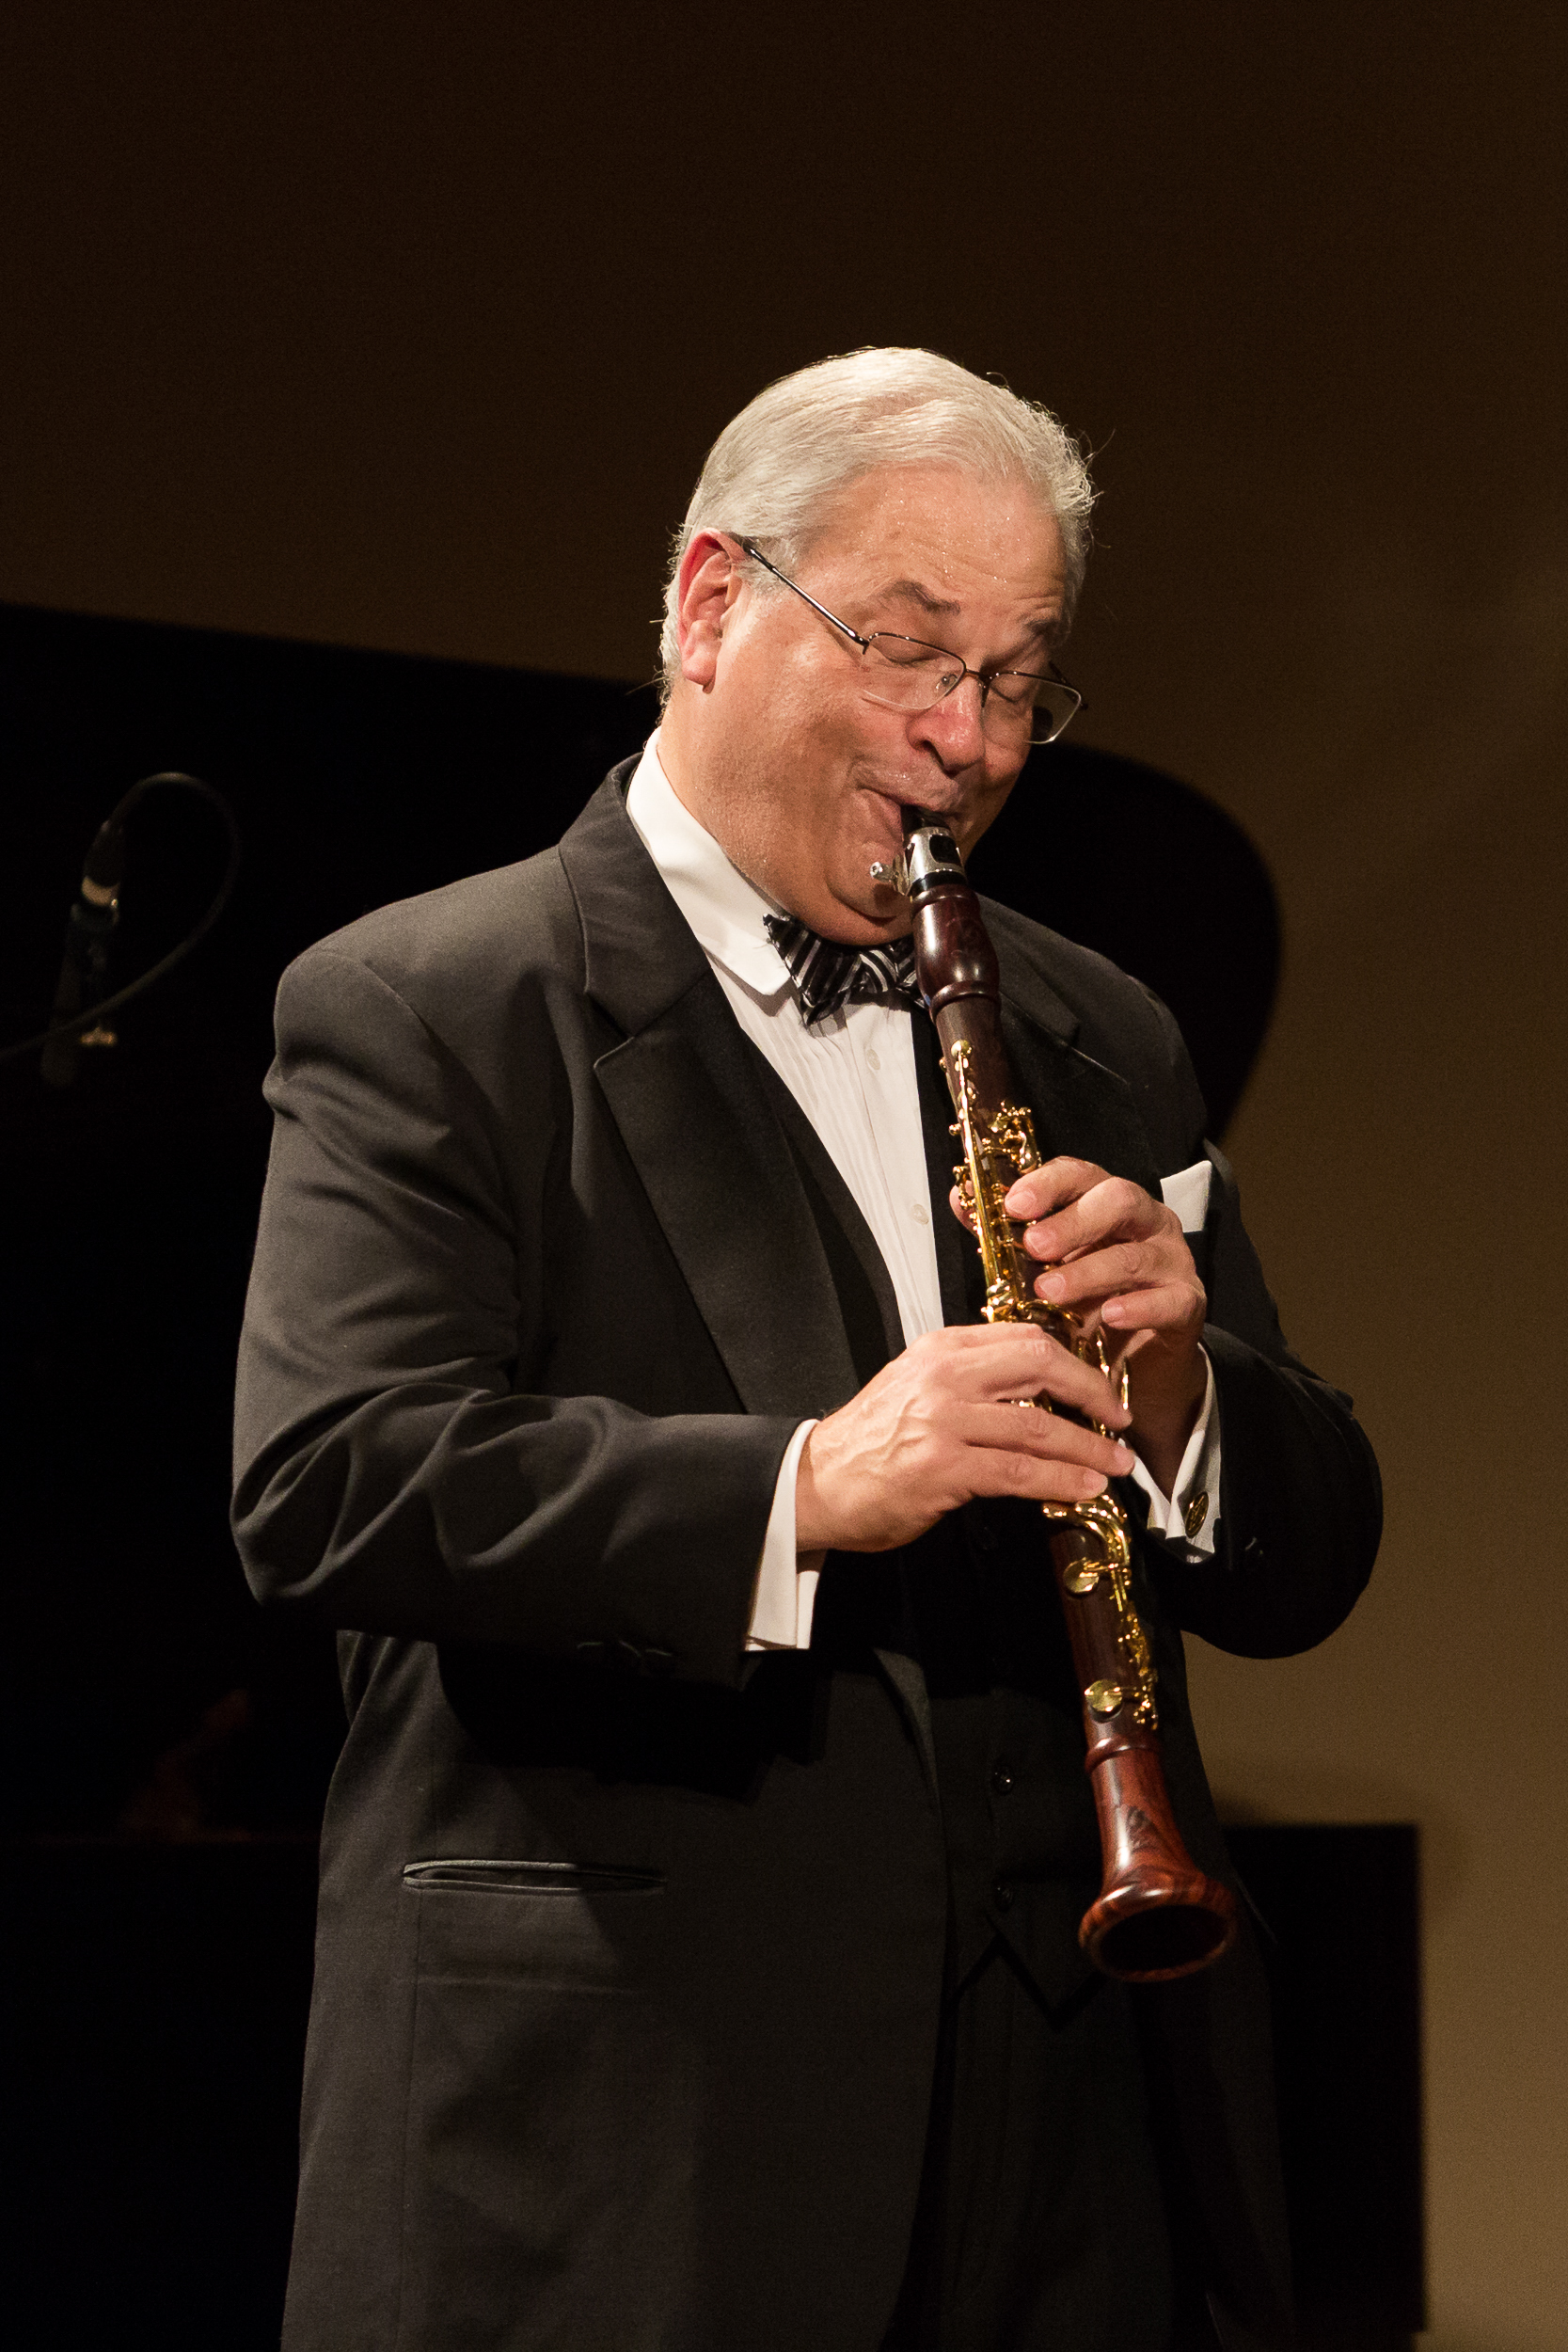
point(906, 673)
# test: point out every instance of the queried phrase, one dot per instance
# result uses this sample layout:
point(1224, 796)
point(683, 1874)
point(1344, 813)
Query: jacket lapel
point(683, 1090)
point(1080, 1106)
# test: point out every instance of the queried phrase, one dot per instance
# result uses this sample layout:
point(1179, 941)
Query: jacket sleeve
point(1300, 1504)
point(390, 1476)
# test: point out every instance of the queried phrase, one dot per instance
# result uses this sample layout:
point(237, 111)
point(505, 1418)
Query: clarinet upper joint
point(997, 1150)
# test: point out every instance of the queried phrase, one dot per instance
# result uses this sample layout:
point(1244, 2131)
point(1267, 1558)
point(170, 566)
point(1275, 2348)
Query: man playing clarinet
point(698, 1965)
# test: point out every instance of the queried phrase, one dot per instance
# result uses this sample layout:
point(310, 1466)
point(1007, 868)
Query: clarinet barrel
point(1157, 1914)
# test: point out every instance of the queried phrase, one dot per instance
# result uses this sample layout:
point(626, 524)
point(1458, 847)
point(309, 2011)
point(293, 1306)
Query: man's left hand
point(1119, 1260)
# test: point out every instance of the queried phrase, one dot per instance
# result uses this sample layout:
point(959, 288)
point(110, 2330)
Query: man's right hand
point(942, 1424)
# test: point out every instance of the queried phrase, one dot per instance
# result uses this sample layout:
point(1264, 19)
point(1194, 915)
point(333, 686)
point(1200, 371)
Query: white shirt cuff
point(786, 1578)
point(1188, 1514)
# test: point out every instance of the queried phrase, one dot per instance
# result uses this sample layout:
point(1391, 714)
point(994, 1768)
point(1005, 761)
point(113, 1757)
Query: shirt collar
point(724, 911)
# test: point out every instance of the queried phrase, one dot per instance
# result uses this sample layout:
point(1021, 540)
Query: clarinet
point(1157, 1913)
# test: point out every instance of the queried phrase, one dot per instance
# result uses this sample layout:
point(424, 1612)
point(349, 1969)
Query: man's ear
point(707, 585)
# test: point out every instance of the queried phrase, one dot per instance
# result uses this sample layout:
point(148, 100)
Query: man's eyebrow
point(919, 593)
point(1047, 632)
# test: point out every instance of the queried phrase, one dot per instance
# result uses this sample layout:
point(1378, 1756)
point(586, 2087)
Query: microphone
point(84, 965)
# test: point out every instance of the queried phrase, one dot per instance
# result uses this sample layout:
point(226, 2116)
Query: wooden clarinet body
point(1157, 1913)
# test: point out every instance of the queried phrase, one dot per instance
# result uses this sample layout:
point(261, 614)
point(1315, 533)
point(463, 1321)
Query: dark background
point(407, 326)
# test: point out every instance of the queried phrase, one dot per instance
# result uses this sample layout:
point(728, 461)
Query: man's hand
point(940, 1425)
point(1120, 1259)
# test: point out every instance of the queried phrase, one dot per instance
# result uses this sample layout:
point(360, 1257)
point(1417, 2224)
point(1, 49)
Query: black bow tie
point(826, 976)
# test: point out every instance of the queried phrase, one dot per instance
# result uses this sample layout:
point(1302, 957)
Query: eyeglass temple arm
point(750, 547)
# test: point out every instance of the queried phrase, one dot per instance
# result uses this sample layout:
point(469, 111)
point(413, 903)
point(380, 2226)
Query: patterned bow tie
point(826, 976)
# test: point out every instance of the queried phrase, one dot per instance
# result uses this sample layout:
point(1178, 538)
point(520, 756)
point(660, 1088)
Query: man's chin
point(866, 918)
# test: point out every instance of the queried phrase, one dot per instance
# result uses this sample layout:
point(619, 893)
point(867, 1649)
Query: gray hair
point(776, 469)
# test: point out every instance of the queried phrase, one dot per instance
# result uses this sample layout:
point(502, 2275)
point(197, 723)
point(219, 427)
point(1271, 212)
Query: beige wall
point(408, 327)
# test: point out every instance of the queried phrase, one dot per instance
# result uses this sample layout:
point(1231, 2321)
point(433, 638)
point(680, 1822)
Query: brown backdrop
point(408, 326)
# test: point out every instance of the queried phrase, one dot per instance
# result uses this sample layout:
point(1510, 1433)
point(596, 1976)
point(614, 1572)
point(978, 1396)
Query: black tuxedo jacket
point(631, 1947)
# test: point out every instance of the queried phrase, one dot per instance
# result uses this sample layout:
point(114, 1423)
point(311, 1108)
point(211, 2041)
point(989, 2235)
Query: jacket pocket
point(486, 1877)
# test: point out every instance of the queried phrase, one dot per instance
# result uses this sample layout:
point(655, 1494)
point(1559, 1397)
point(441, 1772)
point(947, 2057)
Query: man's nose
point(953, 727)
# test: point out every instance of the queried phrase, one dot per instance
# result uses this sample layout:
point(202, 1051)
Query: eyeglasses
point(905, 674)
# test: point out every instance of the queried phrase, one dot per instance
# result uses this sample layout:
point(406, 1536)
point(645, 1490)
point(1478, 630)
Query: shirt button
point(921, 1217)
point(1002, 1776)
point(1198, 1511)
point(873, 1057)
point(1002, 1894)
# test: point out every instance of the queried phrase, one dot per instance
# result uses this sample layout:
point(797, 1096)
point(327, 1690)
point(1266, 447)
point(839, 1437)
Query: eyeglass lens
point(903, 674)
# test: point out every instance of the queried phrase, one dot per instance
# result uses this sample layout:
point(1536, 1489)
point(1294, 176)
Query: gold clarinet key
point(1082, 1578)
point(1102, 1698)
